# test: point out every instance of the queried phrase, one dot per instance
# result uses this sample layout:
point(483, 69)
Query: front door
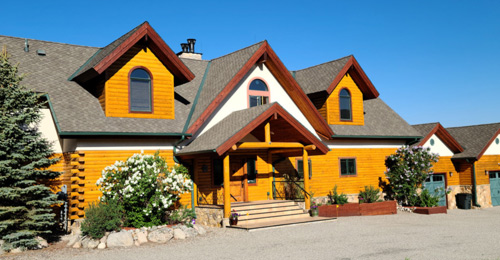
point(495, 187)
point(237, 180)
point(436, 185)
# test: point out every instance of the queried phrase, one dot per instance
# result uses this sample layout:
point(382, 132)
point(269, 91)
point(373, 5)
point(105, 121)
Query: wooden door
point(237, 180)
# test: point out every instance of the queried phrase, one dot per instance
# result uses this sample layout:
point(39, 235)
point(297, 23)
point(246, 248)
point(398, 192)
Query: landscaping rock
point(200, 229)
point(142, 237)
point(161, 235)
point(136, 243)
point(120, 239)
point(85, 242)
point(78, 244)
point(16, 250)
point(179, 234)
point(104, 239)
point(72, 240)
point(93, 243)
point(42, 243)
point(101, 246)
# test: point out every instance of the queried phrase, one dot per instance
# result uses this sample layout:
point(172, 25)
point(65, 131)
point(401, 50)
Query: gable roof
point(75, 110)
point(105, 57)
point(326, 77)
point(380, 122)
point(475, 139)
point(239, 124)
point(427, 130)
point(227, 71)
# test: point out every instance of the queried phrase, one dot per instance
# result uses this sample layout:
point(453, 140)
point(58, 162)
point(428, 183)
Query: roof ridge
point(61, 43)
point(426, 124)
point(497, 123)
point(350, 55)
point(261, 42)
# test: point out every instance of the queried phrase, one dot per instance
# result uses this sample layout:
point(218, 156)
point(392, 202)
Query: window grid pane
point(218, 172)
point(347, 166)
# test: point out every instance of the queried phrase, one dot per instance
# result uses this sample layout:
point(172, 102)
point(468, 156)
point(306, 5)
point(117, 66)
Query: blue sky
point(430, 60)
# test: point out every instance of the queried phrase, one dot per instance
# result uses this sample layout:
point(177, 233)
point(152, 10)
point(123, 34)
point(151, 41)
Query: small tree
point(407, 169)
point(145, 187)
point(24, 158)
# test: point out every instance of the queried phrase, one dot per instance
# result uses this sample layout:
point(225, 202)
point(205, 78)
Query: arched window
point(258, 93)
point(345, 105)
point(140, 91)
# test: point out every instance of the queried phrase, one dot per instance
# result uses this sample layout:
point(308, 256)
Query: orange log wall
point(332, 104)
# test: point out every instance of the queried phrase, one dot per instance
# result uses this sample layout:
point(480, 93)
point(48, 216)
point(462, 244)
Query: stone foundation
point(211, 216)
point(483, 195)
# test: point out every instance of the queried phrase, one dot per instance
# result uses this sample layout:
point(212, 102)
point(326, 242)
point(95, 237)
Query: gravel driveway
point(460, 234)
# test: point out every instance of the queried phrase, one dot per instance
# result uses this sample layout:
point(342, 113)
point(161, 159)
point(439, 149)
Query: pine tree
point(24, 158)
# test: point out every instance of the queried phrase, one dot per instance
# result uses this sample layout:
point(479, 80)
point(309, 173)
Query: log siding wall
point(332, 104)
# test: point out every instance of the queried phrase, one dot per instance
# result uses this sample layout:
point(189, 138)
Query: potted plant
point(233, 218)
point(314, 209)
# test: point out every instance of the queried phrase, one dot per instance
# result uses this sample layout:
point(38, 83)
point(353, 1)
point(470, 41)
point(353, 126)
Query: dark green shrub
point(335, 198)
point(425, 199)
point(369, 195)
point(102, 218)
point(181, 216)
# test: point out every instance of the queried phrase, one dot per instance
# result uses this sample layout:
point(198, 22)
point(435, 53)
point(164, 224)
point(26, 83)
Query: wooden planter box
point(356, 209)
point(379, 208)
point(429, 210)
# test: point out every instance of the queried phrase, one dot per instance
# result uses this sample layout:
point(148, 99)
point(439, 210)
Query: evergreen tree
point(24, 158)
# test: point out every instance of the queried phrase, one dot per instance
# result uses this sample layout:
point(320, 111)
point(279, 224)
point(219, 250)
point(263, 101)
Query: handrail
point(296, 184)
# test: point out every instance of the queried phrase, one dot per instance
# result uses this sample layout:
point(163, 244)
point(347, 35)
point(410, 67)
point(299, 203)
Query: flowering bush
point(407, 169)
point(234, 214)
point(145, 187)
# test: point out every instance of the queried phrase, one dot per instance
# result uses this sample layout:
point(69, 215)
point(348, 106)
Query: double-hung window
point(140, 91)
point(348, 167)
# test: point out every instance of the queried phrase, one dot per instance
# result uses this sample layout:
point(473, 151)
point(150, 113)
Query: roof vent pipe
point(185, 47)
point(26, 45)
point(191, 45)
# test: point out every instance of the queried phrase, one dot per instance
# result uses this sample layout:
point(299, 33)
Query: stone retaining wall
point(483, 195)
point(209, 216)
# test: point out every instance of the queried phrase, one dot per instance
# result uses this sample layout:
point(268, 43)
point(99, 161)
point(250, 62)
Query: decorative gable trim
point(358, 75)
point(266, 55)
point(181, 73)
point(270, 113)
point(446, 137)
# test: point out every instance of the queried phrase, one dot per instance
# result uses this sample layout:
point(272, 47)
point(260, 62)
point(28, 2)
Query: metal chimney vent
point(40, 52)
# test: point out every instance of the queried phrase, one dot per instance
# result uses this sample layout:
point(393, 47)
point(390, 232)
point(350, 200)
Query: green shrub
point(425, 199)
point(145, 186)
point(335, 198)
point(102, 218)
point(181, 216)
point(369, 195)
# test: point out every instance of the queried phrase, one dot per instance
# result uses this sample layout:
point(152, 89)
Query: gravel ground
point(460, 234)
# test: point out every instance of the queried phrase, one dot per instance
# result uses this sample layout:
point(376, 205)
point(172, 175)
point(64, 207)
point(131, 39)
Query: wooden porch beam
point(305, 170)
point(310, 147)
point(267, 131)
point(264, 145)
point(227, 187)
point(273, 151)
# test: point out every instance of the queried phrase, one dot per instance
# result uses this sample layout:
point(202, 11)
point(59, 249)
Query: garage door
point(495, 188)
point(437, 186)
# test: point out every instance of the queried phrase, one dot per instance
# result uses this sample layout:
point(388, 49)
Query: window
point(218, 170)
point(258, 93)
point(348, 167)
point(251, 171)
point(300, 168)
point(345, 105)
point(140, 91)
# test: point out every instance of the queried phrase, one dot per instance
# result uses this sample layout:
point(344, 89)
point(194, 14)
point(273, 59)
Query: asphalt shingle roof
point(318, 78)
point(75, 108)
point(425, 129)
point(473, 138)
point(225, 129)
point(380, 120)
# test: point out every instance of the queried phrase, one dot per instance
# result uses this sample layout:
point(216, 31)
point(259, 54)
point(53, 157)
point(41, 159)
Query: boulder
point(161, 235)
point(72, 240)
point(16, 250)
point(120, 239)
point(42, 243)
point(142, 237)
point(179, 234)
point(85, 242)
point(93, 243)
point(103, 239)
point(78, 244)
point(200, 229)
point(101, 246)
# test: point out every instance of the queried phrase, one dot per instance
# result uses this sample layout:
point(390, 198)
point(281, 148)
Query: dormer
point(338, 89)
point(135, 76)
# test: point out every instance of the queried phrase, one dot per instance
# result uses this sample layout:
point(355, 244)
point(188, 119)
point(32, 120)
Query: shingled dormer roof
point(475, 139)
point(427, 130)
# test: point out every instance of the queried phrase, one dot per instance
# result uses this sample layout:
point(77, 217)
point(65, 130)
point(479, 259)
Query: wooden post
point(305, 170)
point(227, 187)
point(270, 171)
point(267, 131)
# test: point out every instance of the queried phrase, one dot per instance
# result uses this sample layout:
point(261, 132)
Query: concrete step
point(260, 205)
point(276, 213)
point(267, 210)
point(272, 218)
point(281, 223)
